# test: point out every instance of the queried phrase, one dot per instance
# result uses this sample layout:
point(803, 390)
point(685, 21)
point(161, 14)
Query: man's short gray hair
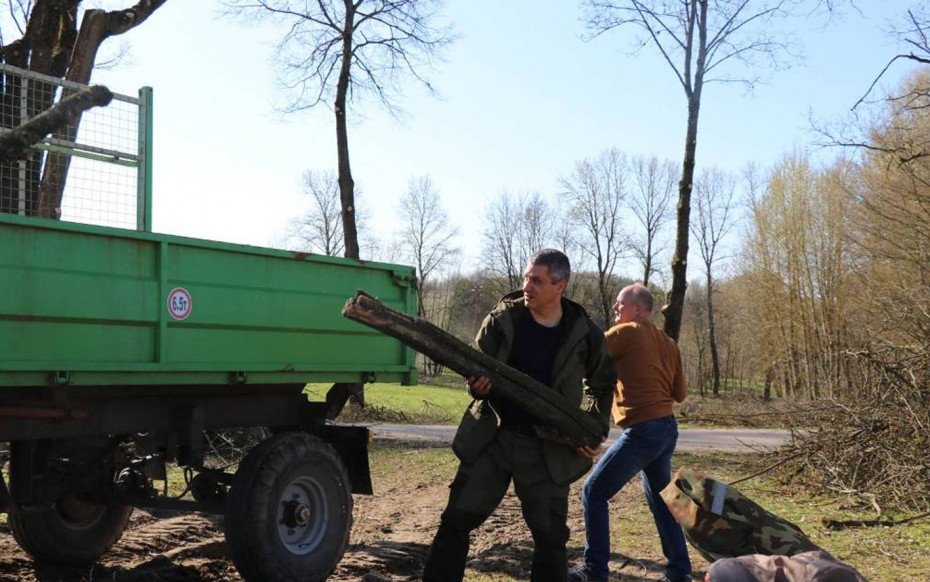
point(556, 261)
point(642, 295)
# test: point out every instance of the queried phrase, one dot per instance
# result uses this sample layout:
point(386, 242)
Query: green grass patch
point(396, 463)
point(443, 401)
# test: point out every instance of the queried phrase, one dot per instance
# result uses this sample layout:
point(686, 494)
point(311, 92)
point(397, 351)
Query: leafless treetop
point(387, 40)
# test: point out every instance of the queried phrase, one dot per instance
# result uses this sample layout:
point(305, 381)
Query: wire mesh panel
point(92, 171)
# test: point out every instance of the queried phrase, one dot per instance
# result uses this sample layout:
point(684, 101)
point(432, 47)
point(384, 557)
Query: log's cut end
point(351, 306)
point(100, 96)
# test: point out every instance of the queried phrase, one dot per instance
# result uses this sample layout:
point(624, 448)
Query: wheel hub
point(302, 515)
point(295, 514)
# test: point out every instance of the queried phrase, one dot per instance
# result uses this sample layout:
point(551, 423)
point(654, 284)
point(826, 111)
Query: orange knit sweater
point(649, 374)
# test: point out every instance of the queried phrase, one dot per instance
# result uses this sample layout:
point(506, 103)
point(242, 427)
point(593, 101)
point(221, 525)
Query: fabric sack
point(720, 522)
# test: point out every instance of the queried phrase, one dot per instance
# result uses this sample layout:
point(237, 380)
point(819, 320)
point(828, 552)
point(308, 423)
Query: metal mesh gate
point(98, 165)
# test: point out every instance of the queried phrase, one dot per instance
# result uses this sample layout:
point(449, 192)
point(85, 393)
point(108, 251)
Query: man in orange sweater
point(649, 381)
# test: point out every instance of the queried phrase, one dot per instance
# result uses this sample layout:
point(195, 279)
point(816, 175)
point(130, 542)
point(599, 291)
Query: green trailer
point(122, 350)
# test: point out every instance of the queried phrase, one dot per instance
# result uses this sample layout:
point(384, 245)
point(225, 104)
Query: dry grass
point(745, 409)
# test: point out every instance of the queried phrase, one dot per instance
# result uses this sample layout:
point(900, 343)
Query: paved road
point(689, 439)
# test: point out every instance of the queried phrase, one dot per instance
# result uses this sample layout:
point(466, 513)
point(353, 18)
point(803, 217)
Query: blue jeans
point(645, 447)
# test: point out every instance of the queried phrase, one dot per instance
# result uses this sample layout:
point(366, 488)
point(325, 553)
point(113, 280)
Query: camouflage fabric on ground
point(804, 567)
point(720, 522)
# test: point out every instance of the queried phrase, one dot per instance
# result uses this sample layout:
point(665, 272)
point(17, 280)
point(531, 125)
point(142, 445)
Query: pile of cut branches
point(873, 445)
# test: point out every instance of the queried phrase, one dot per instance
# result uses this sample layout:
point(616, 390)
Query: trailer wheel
point(289, 510)
point(75, 532)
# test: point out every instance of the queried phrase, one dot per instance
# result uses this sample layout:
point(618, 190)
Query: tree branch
point(15, 144)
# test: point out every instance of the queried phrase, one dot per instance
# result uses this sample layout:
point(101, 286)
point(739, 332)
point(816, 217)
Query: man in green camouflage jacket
point(551, 339)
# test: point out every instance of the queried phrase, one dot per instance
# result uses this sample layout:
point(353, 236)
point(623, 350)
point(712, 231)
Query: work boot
point(581, 574)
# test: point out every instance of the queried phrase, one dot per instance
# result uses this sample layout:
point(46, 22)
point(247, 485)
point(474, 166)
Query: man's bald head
point(634, 304)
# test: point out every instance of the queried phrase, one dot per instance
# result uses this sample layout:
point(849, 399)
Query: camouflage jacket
point(720, 522)
point(582, 373)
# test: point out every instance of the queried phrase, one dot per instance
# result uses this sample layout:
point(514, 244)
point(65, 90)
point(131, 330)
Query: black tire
point(73, 533)
point(289, 511)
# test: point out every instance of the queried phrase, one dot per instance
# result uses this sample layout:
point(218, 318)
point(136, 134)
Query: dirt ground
point(390, 538)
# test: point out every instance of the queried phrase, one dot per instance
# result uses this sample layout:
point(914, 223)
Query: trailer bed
point(96, 306)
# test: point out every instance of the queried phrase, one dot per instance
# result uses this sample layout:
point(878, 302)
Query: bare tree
point(535, 226)
point(515, 228)
point(856, 131)
point(594, 194)
point(698, 39)
point(650, 199)
point(427, 239)
point(500, 253)
point(715, 219)
point(320, 229)
point(58, 40)
point(914, 34)
point(694, 352)
point(426, 234)
point(334, 49)
point(564, 238)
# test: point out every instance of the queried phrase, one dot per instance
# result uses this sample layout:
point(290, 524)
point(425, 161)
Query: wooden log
point(571, 424)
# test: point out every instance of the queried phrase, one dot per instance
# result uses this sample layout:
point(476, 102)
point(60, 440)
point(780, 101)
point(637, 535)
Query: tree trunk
point(96, 27)
point(346, 184)
point(339, 393)
point(50, 36)
point(712, 334)
point(676, 296)
point(701, 372)
point(93, 33)
point(676, 299)
point(603, 282)
point(572, 425)
point(647, 268)
point(44, 48)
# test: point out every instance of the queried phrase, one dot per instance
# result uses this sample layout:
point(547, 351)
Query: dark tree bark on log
point(573, 425)
point(15, 144)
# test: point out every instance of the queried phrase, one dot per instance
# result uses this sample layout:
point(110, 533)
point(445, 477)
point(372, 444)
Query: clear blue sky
point(522, 98)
